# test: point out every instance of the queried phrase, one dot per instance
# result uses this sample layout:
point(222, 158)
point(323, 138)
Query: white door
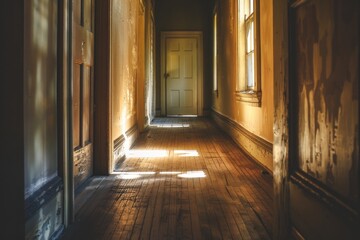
point(181, 76)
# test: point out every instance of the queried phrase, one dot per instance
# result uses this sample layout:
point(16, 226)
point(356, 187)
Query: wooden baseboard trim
point(42, 196)
point(121, 146)
point(257, 141)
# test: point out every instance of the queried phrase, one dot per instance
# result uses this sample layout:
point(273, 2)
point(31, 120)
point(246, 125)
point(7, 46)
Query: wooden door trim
point(281, 122)
point(65, 150)
point(198, 35)
point(103, 143)
point(101, 114)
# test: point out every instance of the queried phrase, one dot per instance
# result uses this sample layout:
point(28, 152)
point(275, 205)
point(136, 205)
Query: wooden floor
point(183, 179)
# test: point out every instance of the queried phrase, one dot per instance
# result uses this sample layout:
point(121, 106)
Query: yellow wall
point(131, 73)
point(124, 65)
point(257, 120)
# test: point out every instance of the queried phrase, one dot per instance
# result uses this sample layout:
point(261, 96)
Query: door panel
point(175, 99)
point(181, 81)
point(76, 105)
point(86, 104)
point(324, 188)
point(188, 98)
point(83, 45)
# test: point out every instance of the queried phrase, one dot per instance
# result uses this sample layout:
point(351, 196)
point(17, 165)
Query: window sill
point(250, 97)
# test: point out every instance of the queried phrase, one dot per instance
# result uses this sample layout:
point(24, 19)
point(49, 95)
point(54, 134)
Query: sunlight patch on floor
point(170, 125)
point(193, 174)
point(186, 153)
point(147, 153)
point(137, 175)
point(161, 153)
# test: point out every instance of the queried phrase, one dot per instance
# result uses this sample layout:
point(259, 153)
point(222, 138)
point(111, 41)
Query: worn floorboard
point(183, 179)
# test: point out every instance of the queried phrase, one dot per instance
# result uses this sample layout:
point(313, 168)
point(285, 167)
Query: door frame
point(198, 35)
point(281, 126)
point(101, 126)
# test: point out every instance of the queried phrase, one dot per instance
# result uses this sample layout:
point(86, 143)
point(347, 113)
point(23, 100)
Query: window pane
point(250, 69)
point(215, 53)
point(249, 7)
point(249, 36)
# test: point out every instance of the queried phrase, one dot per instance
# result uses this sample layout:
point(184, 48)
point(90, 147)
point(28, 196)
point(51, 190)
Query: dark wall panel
point(40, 94)
point(327, 43)
point(324, 75)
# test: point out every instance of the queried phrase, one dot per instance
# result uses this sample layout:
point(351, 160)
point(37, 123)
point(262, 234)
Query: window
point(248, 89)
point(249, 38)
point(215, 55)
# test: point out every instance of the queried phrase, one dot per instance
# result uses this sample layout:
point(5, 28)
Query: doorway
point(182, 73)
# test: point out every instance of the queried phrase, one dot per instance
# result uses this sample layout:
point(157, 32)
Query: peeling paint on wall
point(124, 63)
point(327, 46)
point(47, 221)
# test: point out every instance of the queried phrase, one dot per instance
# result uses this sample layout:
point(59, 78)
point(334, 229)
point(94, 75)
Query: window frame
point(244, 92)
point(215, 50)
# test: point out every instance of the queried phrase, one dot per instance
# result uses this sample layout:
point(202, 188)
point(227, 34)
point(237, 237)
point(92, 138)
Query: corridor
point(183, 179)
point(91, 147)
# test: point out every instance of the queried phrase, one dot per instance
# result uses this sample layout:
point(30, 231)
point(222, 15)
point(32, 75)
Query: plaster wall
point(124, 65)
point(258, 120)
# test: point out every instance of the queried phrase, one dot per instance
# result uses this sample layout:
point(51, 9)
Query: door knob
point(166, 75)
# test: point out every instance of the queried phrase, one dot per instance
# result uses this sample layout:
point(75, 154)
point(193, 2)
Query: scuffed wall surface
point(47, 221)
point(124, 64)
point(257, 120)
point(328, 74)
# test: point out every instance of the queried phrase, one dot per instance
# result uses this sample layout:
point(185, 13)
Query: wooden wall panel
point(324, 101)
point(40, 94)
point(327, 61)
point(42, 183)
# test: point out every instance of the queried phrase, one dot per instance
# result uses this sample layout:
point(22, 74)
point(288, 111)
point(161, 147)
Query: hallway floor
point(183, 179)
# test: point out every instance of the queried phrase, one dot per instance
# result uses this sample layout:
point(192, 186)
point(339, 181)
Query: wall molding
point(238, 133)
point(333, 201)
point(42, 196)
point(122, 144)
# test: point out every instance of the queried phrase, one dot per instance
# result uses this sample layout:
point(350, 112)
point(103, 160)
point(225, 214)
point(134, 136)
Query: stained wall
point(124, 64)
point(325, 67)
point(131, 79)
